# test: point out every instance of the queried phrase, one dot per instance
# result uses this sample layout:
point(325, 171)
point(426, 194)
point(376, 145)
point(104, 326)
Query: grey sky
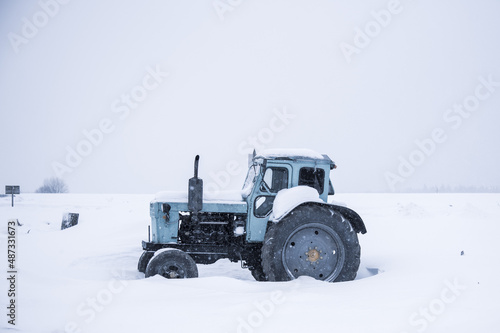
point(276, 74)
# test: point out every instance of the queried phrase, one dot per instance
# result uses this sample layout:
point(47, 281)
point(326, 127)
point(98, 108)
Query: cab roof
point(295, 155)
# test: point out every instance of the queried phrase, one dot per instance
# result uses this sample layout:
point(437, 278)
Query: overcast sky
point(119, 96)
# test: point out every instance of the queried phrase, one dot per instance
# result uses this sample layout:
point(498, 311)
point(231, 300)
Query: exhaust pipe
point(196, 162)
point(195, 192)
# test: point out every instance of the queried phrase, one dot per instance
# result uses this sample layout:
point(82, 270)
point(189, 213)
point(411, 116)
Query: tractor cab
point(275, 170)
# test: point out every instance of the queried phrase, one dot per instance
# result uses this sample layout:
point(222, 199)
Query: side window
point(263, 205)
point(275, 179)
point(312, 177)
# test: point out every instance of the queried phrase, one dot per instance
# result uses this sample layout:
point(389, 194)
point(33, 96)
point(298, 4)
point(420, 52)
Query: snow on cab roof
point(297, 153)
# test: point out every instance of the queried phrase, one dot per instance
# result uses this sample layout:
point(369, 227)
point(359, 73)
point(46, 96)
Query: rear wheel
point(314, 241)
point(172, 264)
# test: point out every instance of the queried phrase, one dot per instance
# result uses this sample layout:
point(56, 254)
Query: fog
point(119, 96)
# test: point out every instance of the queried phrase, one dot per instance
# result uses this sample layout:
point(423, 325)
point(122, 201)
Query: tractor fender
point(354, 219)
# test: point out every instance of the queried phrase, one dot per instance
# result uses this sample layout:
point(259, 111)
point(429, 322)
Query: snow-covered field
point(413, 276)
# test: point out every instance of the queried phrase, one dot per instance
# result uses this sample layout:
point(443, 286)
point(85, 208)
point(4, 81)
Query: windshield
point(253, 171)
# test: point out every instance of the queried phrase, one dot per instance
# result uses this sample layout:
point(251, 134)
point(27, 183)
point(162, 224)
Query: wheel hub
point(173, 272)
point(313, 255)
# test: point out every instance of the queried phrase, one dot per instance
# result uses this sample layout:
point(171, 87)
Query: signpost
point(12, 189)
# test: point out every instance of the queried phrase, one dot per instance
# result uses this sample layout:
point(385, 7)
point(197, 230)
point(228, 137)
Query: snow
point(238, 231)
point(412, 277)
point(288, 199)
point(295, 152)
point(220, 196)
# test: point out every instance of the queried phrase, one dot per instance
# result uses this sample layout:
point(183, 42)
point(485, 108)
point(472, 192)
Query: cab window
point(312, 177)
point(275, 179)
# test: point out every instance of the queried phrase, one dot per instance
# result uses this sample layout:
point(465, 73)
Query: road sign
point(12, 189)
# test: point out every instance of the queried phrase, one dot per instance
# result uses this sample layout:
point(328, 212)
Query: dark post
point(69, 220)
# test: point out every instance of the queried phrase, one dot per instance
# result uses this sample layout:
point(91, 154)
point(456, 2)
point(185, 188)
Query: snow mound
point(412, 209)
point(288, 199)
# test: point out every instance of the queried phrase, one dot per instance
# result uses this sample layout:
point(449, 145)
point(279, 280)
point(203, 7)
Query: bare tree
point(53, 185)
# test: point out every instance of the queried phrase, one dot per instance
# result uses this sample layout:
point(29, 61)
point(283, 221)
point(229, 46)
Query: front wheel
point(314, 241)
point(144, 260)
point(172, 264)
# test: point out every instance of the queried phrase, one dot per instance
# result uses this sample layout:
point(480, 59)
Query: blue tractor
point(280, 227)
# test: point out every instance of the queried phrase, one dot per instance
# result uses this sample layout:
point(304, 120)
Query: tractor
point(280, 226)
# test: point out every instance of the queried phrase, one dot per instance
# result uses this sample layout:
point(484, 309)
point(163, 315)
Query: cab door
point(273, 179)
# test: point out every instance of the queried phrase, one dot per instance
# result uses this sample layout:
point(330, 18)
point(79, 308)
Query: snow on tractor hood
point(287, 199)
point(182, 196)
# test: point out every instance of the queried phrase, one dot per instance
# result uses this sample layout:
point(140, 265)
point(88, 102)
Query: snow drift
point(427, 265)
